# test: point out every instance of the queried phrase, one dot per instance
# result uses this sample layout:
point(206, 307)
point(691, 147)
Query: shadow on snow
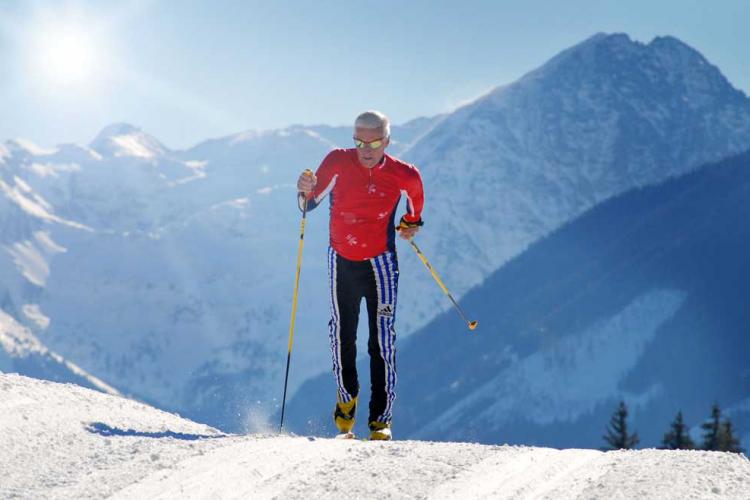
point(107, 430)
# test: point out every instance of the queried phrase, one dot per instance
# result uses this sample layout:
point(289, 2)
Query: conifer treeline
point(718, 433)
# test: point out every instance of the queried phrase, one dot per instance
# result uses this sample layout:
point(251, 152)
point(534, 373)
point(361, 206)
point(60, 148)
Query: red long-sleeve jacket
point(364, 201)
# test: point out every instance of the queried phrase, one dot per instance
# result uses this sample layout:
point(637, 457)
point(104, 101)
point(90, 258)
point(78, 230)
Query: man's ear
point(387, 141)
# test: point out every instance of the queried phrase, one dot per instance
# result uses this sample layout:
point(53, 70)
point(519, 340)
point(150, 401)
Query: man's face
point(367, 156)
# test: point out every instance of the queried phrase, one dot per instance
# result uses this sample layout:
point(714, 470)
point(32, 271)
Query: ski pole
point(294, 302)
point(472, 324)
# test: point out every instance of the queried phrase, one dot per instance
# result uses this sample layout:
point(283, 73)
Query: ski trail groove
point(248, 467)
point(559, 475)
point(517, 472)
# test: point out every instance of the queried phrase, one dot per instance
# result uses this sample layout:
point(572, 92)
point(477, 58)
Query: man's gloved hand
point(306, 182)
point(407, 229)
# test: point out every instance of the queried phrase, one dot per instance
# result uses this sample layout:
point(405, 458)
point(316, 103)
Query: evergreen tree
point(711, 429)
point(617, 432)
point(678, 438)
point(728, 441)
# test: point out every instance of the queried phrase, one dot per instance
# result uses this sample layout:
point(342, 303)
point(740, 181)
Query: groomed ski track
point(64, 441)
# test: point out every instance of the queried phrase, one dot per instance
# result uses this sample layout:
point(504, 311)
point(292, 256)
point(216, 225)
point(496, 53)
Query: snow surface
point(556, 385)
point(64, 441)
point(23, 196)
point(18, 343)
point(124, 140)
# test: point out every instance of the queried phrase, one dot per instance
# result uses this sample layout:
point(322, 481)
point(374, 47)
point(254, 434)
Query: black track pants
point(375, 280)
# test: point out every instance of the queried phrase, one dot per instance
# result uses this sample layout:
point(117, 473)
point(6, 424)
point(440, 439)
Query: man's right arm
point(322, 183)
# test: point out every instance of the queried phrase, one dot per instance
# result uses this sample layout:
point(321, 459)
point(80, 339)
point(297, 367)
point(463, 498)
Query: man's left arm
point(411, 221)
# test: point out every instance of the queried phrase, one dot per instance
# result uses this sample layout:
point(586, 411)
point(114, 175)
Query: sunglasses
point(372, 144)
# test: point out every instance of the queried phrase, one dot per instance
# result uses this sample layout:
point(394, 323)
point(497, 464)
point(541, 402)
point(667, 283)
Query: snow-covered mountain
point(26, 222)
point(23, 352)
point(646, 298)
point(64, 441)
point(168, 274)
point(598, 119)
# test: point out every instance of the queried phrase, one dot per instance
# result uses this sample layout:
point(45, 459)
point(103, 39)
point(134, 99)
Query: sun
point(65, 50)
point(70, 58)
point(66, 56)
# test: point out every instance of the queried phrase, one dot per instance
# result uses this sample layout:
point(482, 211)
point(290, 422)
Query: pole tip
point(473, 325)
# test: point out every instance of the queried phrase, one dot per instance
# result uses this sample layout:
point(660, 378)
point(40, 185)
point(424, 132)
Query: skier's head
point(372, 133)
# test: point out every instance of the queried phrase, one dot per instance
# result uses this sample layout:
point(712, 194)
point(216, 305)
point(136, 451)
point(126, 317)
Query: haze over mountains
point(161, 270)
point(168, 274)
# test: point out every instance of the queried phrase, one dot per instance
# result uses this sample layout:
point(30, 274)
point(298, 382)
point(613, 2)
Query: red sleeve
point(327, 174)
point(412, 188)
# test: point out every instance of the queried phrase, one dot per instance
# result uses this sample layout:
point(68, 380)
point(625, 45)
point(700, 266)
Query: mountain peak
point(582, 56)
point(123, 139)
point(608, 38)
point(623, 41)
point(116, 129)
point(677, 53)
point(607, 62)
point(672, 42)
point(604, 40)
point(25, 147)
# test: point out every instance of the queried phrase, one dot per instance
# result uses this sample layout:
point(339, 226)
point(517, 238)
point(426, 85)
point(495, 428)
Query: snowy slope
point(23, 352)
point(63, 441)
point(169, 264)
point(645, 298)
point(27, 249)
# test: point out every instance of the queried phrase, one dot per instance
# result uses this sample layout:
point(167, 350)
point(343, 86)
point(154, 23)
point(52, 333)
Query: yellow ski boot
point(380, 431)
point(343, 417)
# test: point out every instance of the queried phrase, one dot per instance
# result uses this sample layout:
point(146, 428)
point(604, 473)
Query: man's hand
point(407, 230)
point(408, 233)
point(306, 182)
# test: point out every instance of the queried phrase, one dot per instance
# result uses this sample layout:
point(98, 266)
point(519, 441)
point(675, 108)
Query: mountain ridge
point(601, 117)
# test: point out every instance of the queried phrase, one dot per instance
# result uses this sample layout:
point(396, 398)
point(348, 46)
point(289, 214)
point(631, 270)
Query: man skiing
point(365, 186)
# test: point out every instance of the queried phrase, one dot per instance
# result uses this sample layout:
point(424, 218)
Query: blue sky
point(189, 70)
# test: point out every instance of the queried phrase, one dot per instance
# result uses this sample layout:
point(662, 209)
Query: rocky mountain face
point(598, 119)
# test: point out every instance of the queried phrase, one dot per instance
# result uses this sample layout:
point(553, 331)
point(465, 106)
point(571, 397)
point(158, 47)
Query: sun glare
point(66, 57)
point(64, 48)
point(70, 59)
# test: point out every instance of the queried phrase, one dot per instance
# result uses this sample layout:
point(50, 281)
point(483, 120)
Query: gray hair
point(372, 119)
